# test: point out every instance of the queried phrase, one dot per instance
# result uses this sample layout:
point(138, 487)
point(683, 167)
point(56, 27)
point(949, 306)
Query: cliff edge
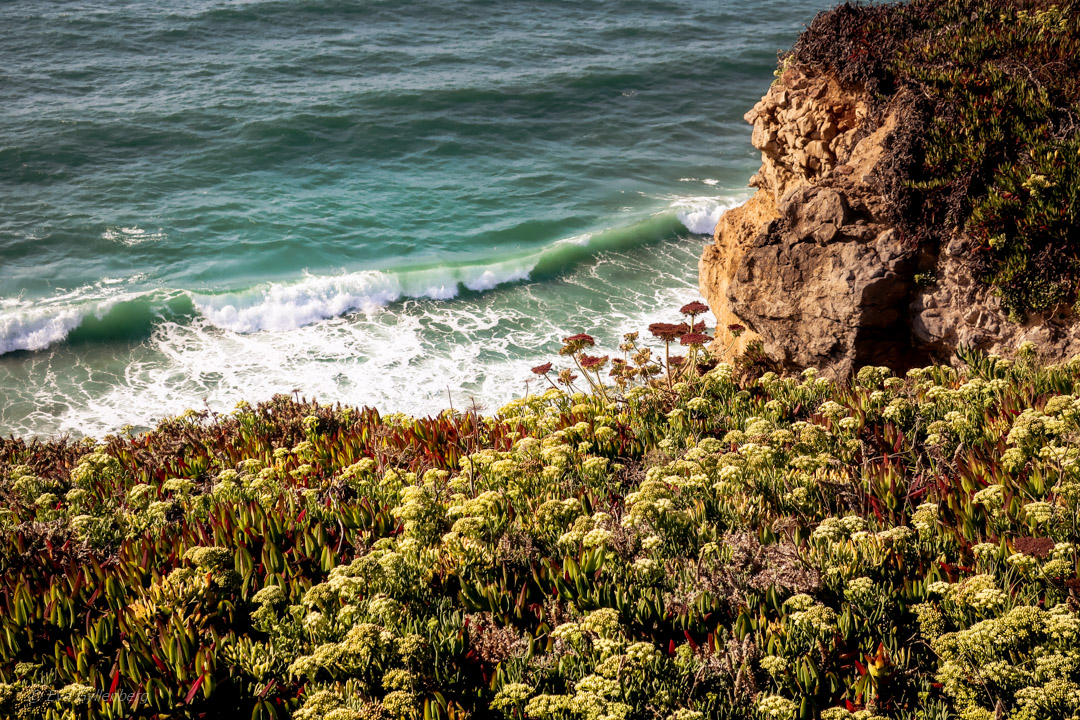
point(851, 253)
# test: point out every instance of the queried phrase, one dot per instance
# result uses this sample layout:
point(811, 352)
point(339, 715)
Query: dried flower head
point(694, 339)
point(695, 308)
point(576, 343)
point(542, 369)
point(591, 362)
point(668, 332)
point(1035, 547)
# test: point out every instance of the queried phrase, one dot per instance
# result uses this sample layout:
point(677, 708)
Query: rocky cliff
point(816, 266)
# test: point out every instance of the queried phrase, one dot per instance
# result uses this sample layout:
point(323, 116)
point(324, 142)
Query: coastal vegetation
point(647, 534)
point(650, 534)
point(990, 147)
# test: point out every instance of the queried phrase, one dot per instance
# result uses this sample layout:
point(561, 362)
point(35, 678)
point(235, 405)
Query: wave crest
point(106, 312)
point(36, 331)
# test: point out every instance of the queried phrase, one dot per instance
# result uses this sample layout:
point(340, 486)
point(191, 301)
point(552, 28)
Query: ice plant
point(736, 546)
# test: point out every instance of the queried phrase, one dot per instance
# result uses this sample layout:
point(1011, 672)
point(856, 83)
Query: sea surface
point(380, 202)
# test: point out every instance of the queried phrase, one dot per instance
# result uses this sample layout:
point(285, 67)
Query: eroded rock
point(813, 266)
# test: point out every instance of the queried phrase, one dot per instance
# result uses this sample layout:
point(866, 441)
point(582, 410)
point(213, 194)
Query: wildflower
point(799, 602)
point(1038, 548)
point(777, 707)
point(604, 622)
point(1039, 512)
point(819, 618)
point(898, 410)
point(980, 593)
point(1057, 568)
point(925, 516)
point(849, 423)
point(46, 500)
point(596, 538)
point(570, 632)
point(547, 706)
point(985, 551)
point(775, 665)
point(1023, 563)
point(400, 703)
point(898, 536)
point(647, 567)
point(931, 621)
point(722, 373)
point(511, 695)
point(77, 695)
point(694, 339)
point(859, 590)
point(992, 498)
point(836, 713)
point(542, 369)
point(685, 714)
point(269, 595)
point(939, 587)
point(209, 557)
point(178, 485)
point(832, 410)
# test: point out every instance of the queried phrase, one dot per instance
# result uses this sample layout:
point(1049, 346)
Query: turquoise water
point(388, 203)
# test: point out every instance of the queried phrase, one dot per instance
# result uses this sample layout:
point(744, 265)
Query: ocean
point(376, 202)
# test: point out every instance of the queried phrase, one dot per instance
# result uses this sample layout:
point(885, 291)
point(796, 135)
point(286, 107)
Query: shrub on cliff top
point(994, 148)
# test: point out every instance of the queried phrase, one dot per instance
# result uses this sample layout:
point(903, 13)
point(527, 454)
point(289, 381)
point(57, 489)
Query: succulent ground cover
point(650, 535)
point(991, 141)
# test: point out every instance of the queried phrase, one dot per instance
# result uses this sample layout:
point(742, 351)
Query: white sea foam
point(131, 236)
point(279, 307)
point(407, 359)
point(700, 214)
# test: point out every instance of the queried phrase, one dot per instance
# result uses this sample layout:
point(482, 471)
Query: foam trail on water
point(37, 324)
point(131, 236)
point(284, 307)
point(280, 307)
point(34, 325)
point(404, 359)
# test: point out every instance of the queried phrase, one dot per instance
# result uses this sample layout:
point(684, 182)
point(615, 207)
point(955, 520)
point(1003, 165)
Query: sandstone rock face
point(959, 310)
point(812, 265)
